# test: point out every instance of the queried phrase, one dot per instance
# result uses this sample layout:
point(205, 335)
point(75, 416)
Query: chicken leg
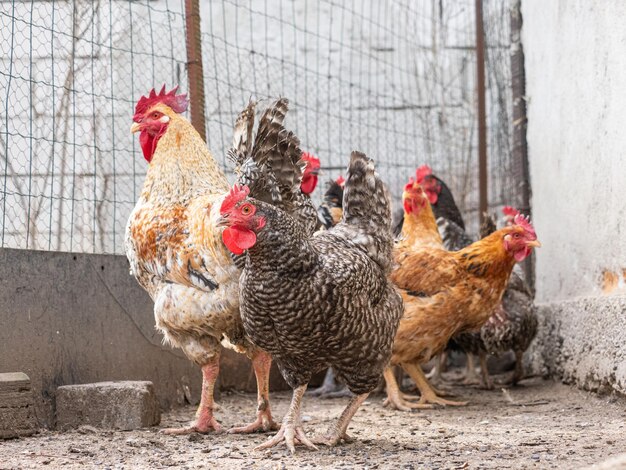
point(291, 428)
point(205, 421)
point(428, 394)
point(337, 430)
point(484, 371)
point(261, 362)
point(395, 398)
point(471, 378)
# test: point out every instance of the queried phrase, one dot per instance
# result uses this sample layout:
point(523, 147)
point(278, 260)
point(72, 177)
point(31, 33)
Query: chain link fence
point(392, 78)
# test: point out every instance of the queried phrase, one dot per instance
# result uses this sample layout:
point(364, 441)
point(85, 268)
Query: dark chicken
point(318, 301)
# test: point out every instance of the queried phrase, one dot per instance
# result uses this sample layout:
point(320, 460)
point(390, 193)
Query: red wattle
point(408, 207)
point(521, 254)
point(308, 184)
point(238, 239)
point(147, 145)
point(432, 196)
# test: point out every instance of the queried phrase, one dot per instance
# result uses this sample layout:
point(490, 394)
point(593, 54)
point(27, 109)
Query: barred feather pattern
point(366, 216)
point(324, 300)
point(271, 163)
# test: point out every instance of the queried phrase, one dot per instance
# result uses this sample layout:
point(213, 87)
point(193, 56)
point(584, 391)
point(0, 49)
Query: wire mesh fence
point(392, 78)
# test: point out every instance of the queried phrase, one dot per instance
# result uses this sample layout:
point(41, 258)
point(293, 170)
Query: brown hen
point(444, 292)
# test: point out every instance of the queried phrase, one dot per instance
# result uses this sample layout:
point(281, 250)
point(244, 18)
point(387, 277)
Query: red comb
point(409, 185)
point(510, 211)
point(178, 103)
point(422, 172)
point(524, 222)
point(312, 162)
point(236, 194)
point(340, 181)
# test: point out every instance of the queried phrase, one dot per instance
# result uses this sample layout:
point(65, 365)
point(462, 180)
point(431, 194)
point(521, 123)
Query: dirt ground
point(539, 424)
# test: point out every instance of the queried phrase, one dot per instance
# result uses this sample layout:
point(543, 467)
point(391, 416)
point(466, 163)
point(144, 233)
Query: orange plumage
point(444, 292)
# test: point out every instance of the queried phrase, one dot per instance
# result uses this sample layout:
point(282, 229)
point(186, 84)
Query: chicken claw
point(291, 429)
point(402, 402)
point(264, 422)
point(261, 363)
point(429, 395)
point(289, 433)
point(337, 431)
point(204, 423)
point(398, 400)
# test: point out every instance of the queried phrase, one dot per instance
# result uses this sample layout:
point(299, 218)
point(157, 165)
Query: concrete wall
point(74, 318)
point(575, 70)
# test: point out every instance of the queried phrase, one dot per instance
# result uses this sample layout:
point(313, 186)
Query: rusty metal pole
point(482, 113)
point(519, 152)
point(194, 65)
point(518, 89)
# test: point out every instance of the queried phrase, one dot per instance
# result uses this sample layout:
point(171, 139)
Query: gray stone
point(17, 416)
point(583, 342)
point(124, 405)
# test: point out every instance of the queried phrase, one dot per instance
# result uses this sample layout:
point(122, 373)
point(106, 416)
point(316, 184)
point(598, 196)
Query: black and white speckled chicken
point(319, 301)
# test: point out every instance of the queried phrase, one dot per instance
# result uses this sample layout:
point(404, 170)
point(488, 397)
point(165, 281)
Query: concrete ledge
point(75, 318)
point(16, 406)
point(121, 405)
point(583, 342)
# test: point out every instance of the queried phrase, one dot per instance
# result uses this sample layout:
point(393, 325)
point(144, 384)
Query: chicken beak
point(135, 127)
point(534, 244)
point(222, 221)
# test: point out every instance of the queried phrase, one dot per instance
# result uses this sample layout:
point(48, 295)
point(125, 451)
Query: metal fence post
point(483, 201)
point(519, 144)
point(194, 65)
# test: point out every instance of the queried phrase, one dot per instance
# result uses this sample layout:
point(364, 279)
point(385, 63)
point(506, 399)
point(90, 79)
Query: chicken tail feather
point(272, 166)
point(367, 210)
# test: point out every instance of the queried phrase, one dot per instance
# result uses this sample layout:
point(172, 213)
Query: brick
point(121, 405)
point(17, 417)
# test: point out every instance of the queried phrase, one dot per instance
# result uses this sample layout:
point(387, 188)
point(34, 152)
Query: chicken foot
point(337, 430)
point(428, 394)
point(291, 428)
point(398, 400)
point(331, 388)
point(484, 371)
point(518, 373)
point(471, 378)
point(205, 421)
point(261, 362)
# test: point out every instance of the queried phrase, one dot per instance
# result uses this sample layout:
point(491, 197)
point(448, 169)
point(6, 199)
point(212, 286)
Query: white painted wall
point(576, 85)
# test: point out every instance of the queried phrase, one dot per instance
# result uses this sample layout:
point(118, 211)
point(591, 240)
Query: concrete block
point(123, 405)
point(582, 342)
point(17, 416)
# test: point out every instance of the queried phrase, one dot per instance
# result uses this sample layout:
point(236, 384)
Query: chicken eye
point(155, 115)
point(516, 235)
point(245, 210)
